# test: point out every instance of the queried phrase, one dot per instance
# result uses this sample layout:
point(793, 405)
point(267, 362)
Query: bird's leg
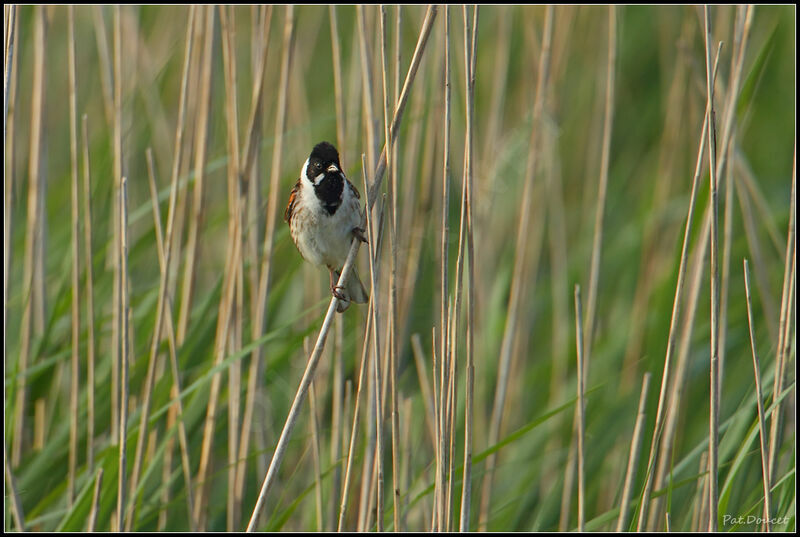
point(359, 234)
point(336, 290)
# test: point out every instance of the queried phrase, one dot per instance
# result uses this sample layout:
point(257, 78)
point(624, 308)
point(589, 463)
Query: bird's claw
point(359, 234)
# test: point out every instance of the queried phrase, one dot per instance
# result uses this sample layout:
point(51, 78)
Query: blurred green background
point(660, 98)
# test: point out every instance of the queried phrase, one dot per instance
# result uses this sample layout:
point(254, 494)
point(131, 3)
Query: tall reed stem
point(762, 428)
point(713, 445)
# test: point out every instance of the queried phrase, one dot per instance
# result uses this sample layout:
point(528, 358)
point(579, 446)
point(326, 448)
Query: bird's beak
point(333, 168)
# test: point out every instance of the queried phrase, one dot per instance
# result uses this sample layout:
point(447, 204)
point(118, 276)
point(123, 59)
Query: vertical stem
point(579, 344)
point(117, 174)
point(633, 458)
point(354, 429)
point(390, 165)
point(87, 207)
point(11, 494)
point(31, 233)
point(470, 52)
point(124, 359)
point(75, 370)
point(762, 427)
point(785, 326)
point(98, 482)
point(713, 447)
point(9, 98)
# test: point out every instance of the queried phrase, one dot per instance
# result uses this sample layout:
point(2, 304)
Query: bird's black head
point(325, 173)
point(322, 157)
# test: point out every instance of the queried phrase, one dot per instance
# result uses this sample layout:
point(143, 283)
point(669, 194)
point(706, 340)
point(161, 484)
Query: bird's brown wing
point(287, 216)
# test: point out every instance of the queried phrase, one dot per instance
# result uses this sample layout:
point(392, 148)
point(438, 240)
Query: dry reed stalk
point(644, 499)
point(8, 54)
point(87, 220)
point(369, 473)
point(417, 193)
point(315, 452)
point(235, 388)
point(314, 358)
point(633, 458)
point(124, 353)
point(785, 326)
point(14, 504)
point(450, 433)
point(727, 238)
point(441, 432)
point(338, 98)
point(367, 88)
point(392, 318)
point(470, 58)
point(106, 69)
point(116, 149)
point(228, 335)
point(444, 338)
point(581, 409)
point(165, 273)
point(260, 320)
point(713, 443)
point(744, 19)
point(226, 310)
point(74, 369)
point(672, 417)
point(176, 411)
point(760, 403)
point(9, 104)
point(354, 430)
point(405, 449)
point(337, 417)
point(98, 483)
point(445, 188)
point(196, 216)
point(337, 422)
point(31, 234)
point(376, 379)
point(237, 451)
point(435, 439)
point(520, 253)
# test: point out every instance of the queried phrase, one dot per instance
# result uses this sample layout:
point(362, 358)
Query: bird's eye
point(318, 165)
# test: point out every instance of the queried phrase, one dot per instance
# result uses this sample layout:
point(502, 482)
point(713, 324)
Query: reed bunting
point(324, 214)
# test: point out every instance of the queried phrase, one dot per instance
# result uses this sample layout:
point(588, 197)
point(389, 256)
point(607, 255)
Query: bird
point(324, 214)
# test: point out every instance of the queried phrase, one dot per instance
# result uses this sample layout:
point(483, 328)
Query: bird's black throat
point(329, 191)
